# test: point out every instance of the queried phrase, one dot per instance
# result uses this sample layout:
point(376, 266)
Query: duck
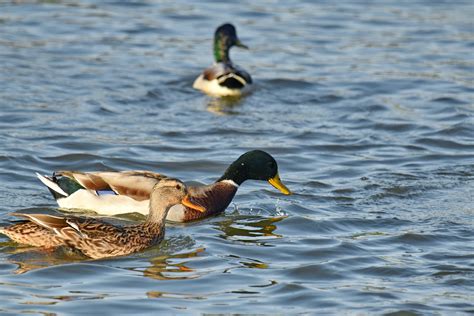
point(117, 192)
point(95, 238)
point(224, 78)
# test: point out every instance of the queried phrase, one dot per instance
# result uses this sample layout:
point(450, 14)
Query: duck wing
point(137, 185)
point(61, 226)
point(73, 228)
point(228, 75)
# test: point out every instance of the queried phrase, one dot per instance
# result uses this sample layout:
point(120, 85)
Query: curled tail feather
point(52, 186)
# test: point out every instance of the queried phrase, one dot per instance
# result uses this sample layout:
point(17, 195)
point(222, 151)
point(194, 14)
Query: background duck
point(224, 78)
point(112, 193)
point(95, 238)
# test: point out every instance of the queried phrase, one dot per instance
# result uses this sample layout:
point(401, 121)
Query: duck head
point(165, 194)
point(255, 165)
point(224, 38)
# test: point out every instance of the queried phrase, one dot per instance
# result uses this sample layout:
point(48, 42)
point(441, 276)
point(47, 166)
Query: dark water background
point(366, 105)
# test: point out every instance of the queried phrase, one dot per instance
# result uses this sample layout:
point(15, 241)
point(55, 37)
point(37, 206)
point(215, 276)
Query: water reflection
point(28, 258)
point(249, 229)
point(247, 263)
point(224, 105)
point(158, 294)
point(172, 266)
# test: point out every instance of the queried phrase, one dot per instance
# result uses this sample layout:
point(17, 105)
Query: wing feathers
point(135, 184)
point(89, 181)
point(46, 221)
point(57, 224)
point(227, 74)
point(232, 81)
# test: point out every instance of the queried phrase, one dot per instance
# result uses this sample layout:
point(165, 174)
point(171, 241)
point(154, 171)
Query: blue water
point(368, 107)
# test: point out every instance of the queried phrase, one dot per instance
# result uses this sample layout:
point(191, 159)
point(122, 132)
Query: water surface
point(367, 107)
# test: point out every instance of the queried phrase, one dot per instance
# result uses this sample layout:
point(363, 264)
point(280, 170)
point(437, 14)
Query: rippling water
point(367, 107)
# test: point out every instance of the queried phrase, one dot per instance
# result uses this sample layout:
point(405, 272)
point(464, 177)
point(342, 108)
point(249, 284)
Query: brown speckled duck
point(112, 193)
point(98, 239)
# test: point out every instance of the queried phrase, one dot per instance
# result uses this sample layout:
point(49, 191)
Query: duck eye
point(178, 187)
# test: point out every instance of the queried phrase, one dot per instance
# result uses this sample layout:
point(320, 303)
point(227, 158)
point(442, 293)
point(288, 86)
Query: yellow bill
point(186, 202)
point(277, 184)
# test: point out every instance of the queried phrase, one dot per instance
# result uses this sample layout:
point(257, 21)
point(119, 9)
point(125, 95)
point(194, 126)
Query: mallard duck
point(112, 193)
point(224, 78)
point(98, 239)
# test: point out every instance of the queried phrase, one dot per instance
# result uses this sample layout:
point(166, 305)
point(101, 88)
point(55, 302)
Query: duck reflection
point(224, 105)
point(28, 258)
point(171, 264)
point(249, 229)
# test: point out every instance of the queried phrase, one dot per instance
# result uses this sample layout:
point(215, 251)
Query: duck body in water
point(224, 78)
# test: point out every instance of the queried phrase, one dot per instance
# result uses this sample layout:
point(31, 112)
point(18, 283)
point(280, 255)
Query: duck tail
point(53, 186)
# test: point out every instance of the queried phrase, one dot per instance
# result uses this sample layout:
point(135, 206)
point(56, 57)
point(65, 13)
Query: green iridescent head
point(255, 165)
point(224, 38)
